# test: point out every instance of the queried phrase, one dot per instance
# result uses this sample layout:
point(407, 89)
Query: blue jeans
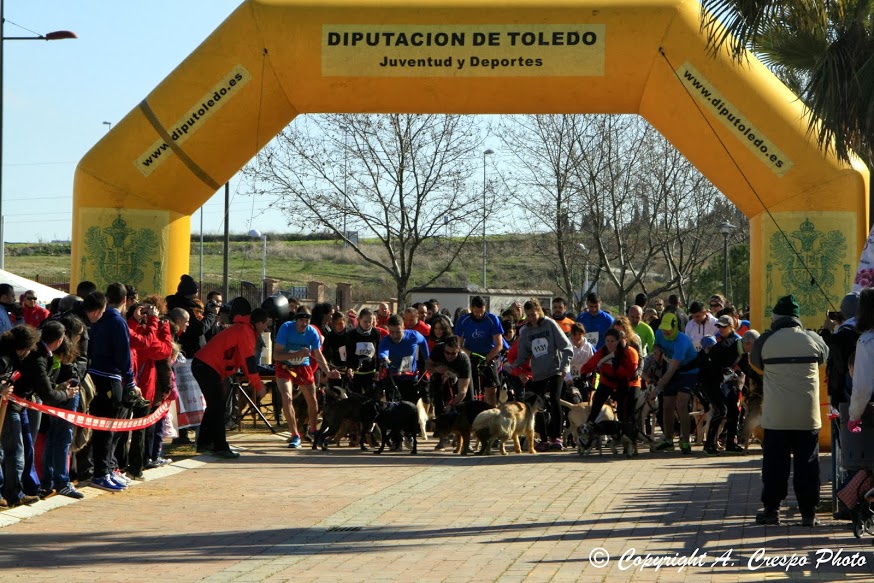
point(56, 453)
point(13, 456)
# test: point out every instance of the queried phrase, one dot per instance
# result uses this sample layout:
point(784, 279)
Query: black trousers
point(212, 427)
point(713, 392)
point(136, 455)
point(780, 447)
point(106, 403)
point(550, 389)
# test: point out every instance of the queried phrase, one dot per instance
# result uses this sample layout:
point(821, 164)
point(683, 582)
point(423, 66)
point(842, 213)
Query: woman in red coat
point(616, 363)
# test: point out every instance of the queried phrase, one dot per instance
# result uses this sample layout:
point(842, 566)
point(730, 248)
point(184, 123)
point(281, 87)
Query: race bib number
point(406, 364)
point(592, 337)
point(342, 352)
point(297, 361)
point(575, 371)
point(539, 347)
point(364, 349)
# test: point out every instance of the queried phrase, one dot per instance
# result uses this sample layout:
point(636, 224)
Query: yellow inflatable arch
point(274, 59)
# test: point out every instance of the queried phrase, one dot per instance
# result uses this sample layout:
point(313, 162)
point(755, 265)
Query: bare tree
point(543, 186)
point(396, 178)
point(689, 210)
point(611, 191)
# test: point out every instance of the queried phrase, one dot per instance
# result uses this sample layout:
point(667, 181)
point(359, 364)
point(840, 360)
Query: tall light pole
point(725, 228)
point(585, 273)
point(108, 125)
point(56, 35)
point(256, 233)
point(488, 152)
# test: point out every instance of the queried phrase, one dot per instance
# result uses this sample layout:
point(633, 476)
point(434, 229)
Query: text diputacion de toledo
point(463, 50)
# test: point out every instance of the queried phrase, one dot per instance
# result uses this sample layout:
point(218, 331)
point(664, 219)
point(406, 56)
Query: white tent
point(21, 284)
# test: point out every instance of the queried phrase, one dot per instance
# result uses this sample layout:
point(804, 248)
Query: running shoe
point(294, 442)
point(665, 445)
point(556, 445)
point(685, 447)
point(70, 491)
point(105, 483)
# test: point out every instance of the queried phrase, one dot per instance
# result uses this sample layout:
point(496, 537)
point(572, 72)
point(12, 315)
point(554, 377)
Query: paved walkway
point(281, 515)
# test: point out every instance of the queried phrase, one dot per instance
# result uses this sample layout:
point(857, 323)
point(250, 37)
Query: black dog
point(459, 421)
point(346, 410)
point(399, 419)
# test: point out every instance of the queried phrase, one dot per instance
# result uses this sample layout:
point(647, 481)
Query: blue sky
point(58, 94)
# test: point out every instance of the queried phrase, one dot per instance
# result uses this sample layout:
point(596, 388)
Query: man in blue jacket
point(595, 320)
point(111, 371)
point(404, 352)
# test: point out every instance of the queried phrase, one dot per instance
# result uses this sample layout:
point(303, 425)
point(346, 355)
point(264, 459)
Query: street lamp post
point(585, 273)
point(108, 125)
point(725, 228)
point(488, 152)
point(56, 35)
point(256, 233)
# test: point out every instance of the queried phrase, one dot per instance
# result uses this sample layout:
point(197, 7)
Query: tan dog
point(423, 418)
point(509, 420)
point(491, 425)
point(524, 412)
point(578, 414)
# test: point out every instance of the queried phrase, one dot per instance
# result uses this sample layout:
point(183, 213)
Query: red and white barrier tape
point(98, 423)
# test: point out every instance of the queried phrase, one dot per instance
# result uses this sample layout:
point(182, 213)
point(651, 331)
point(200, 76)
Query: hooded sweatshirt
point(548, 346)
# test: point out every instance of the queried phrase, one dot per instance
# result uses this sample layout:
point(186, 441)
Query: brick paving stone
point(279, 515)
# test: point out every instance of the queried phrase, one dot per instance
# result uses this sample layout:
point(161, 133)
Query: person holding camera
point(201, 318)
point(59, 435)
point(151, 341)
point(214, 304)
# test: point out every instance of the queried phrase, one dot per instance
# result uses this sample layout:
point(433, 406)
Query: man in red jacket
point(230, 350)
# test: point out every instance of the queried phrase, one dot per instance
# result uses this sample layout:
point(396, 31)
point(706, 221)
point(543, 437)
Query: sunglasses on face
point(715, 305)
point(30, 298)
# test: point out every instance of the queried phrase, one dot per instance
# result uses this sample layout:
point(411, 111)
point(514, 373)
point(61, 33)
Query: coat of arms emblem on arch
point(809, 263)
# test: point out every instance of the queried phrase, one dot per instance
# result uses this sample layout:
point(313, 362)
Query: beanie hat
point(787, 306)
point(708, 341)
point(187, 286)
point(848, 305)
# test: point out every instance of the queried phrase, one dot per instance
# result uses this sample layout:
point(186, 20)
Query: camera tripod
point(234, 413)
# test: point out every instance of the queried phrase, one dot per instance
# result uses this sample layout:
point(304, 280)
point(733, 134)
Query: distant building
point(497, 300)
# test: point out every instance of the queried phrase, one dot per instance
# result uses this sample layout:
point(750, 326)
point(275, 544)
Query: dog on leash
point(399, 419)
point(342, 415)
point(511, 420)
point(493, 425)
point(578, 414)
point(459, 422)
point(423, 419)
point(590, 436)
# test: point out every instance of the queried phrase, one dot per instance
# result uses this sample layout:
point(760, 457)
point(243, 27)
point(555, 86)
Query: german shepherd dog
point(459, 422)
point(510, 420)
